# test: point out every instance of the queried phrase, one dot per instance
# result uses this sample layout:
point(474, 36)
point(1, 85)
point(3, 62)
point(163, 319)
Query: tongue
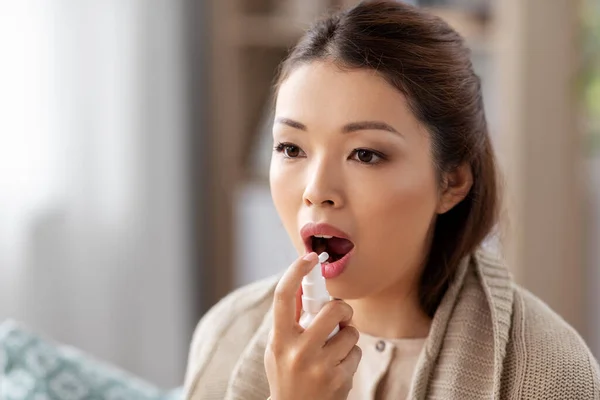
point(339, 246)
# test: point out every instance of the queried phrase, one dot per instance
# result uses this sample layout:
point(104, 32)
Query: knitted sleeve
point(551, 361)
point(220, 338)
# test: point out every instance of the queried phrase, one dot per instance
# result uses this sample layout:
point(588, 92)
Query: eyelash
point(281, 147)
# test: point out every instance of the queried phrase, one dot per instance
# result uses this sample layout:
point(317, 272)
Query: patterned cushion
point(32, 368)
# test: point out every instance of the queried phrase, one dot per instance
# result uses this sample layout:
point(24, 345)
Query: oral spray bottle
point(315, 295)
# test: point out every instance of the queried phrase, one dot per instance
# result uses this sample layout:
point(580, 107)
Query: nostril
point(324, 202)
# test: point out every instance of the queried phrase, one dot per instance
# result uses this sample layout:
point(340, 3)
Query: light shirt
point(386, 368)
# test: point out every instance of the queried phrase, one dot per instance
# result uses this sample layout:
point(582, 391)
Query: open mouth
point(336, 247)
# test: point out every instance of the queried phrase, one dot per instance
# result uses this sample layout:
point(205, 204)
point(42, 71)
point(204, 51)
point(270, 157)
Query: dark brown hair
point(427, 61)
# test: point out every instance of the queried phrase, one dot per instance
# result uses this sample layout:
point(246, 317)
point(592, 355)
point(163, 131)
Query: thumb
point(298, 303)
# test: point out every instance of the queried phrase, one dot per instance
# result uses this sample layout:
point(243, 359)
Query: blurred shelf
point(259, 6)
point(269, 31)
point(473, 27)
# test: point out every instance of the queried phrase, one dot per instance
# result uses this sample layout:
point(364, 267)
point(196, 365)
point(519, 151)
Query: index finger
point(284, 301)
point(299, 294)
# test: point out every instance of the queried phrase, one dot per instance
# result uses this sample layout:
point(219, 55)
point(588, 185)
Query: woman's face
point(349, 153)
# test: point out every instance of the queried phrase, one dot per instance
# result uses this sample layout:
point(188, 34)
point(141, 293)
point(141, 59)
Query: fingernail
point(310, 257)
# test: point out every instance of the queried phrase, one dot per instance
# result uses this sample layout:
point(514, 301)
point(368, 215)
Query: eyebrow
point(348, 128)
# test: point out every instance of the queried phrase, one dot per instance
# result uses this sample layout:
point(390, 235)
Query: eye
point(366, 156)
point(289, 150)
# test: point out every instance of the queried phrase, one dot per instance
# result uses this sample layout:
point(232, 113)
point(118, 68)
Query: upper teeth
point(323, 236)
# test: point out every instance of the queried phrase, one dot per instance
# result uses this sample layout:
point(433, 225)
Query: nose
point(323, 188)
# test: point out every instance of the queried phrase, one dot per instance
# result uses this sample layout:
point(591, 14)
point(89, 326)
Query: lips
point(324, 237)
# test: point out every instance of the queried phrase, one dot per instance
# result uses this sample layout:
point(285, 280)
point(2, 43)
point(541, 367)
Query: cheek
point(402, 209)
point(279, 189)
point(286, 192)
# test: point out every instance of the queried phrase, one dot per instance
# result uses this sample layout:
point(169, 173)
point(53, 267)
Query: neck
point(392, 314)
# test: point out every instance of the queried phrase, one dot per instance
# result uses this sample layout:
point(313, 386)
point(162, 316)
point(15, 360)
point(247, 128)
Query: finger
point(344, 324)
point(331, 315)
point(284, 302)
point(338, 347)
point(350, 363)
point(298, 303)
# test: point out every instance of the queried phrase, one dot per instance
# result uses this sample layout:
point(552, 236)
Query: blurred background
point(135, 142)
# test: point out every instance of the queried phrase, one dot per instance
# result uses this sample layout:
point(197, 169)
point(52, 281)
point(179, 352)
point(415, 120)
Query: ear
point(456, 186)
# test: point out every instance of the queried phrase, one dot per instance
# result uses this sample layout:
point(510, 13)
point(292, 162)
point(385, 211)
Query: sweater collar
point(465, 350)
point(467, 341)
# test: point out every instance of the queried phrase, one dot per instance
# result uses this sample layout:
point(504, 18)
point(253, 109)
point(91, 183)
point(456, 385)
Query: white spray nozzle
point(315, 274)
point(323, 257)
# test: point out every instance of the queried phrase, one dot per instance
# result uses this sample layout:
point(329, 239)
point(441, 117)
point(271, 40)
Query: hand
point(303, 364)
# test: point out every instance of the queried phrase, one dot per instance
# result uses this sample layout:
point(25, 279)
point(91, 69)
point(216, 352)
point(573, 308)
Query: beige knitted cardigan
point(489, 339)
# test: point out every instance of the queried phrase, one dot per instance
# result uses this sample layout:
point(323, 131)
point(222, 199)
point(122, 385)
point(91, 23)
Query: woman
point(382, 158)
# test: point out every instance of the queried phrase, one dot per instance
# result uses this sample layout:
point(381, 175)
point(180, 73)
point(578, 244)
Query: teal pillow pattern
point(32, 368)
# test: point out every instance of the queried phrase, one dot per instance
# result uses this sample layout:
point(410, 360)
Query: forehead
point(322, 91)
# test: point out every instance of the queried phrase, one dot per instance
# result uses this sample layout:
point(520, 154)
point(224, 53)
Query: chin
point(347, 287)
